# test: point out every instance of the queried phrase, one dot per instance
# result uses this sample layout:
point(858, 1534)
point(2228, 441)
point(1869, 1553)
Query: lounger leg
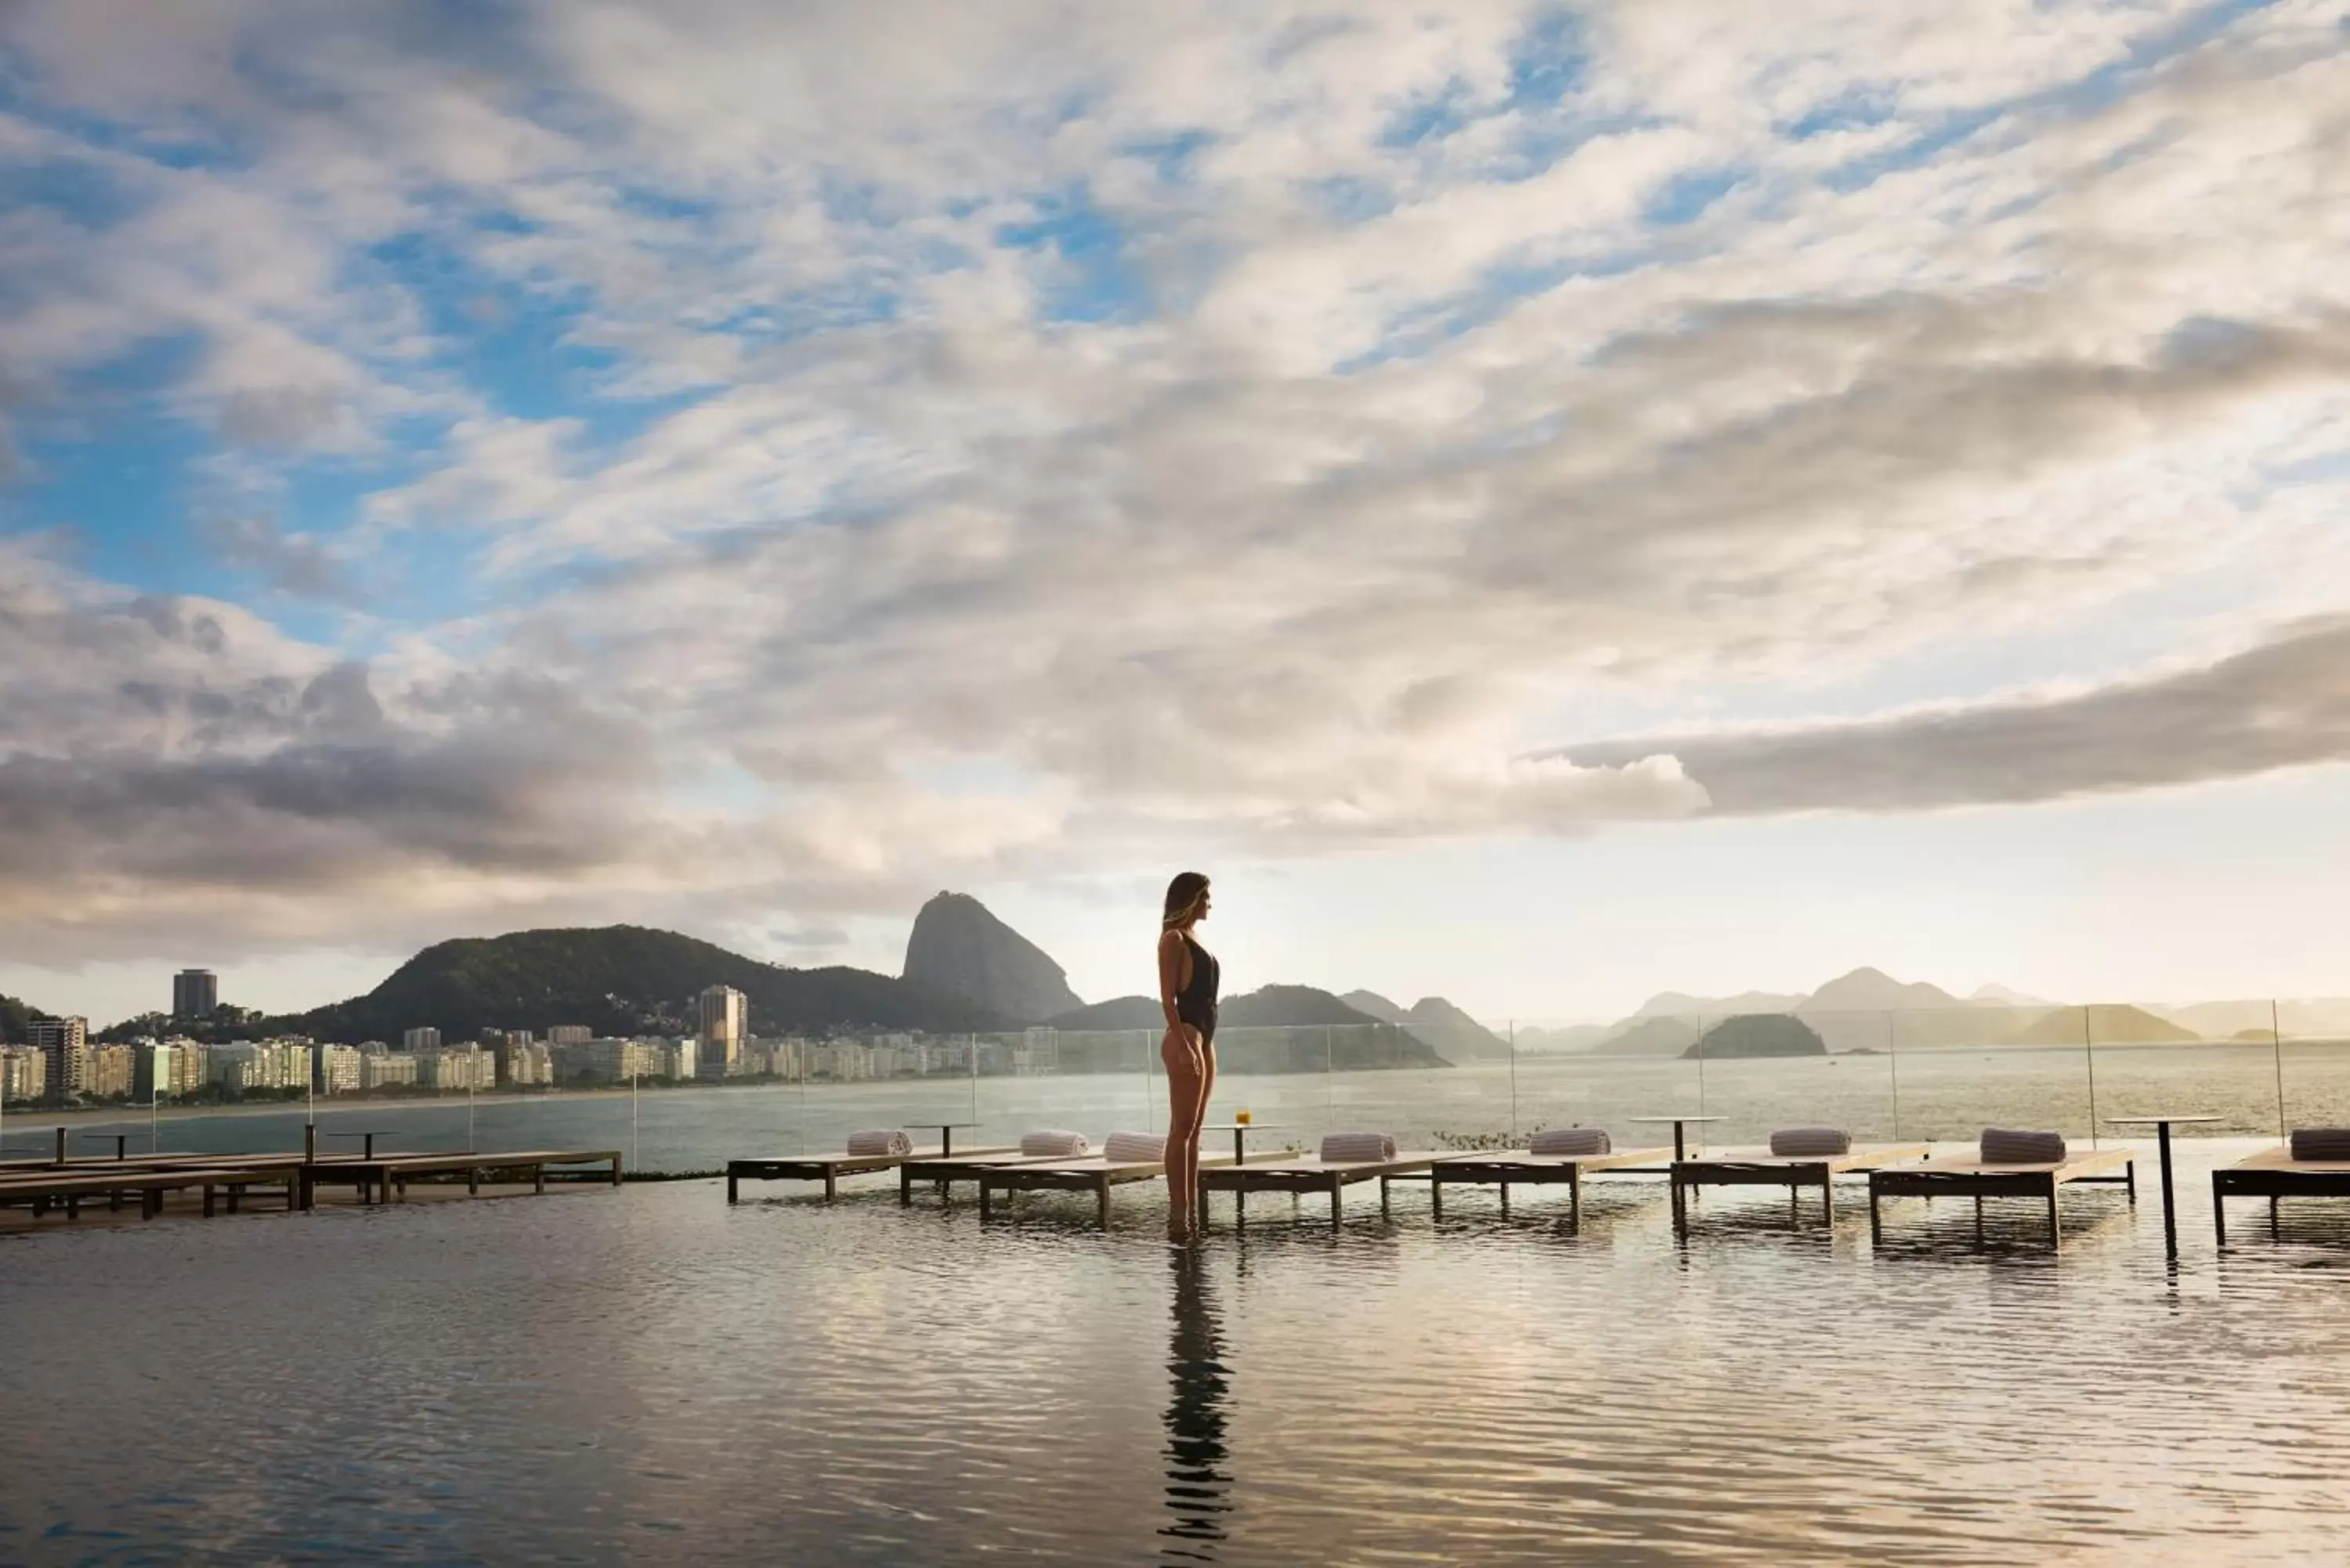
point(2055, 1236)
point(905, 1188)
point(73, 1205)
point(1336, 1187)
point(1827, 1198)
point(2272, 1219)
point(734, 1191)
point(234, 1193)
point(1383, 1196)
point(1505, 1200)
point(982, 1199)
point(474, 1182)
point(831, 1184)
point(150, 1203)
point(539, 1179)
point(1436, 1198)
point(1575, 1200)
point(1876, 1220)
point(1978, 1218)
point(2129, 1174)
point(1680, 1209)
point(208, 1200)
point(114, 1200)
point(1102, 1207)
point(2218, 1214)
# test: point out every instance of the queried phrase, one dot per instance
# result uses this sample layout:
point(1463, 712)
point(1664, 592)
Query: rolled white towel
point(1571, 1140)
point(1811, 1141)
point(1053, 1141)
point(2321, 1143)
point(879, 1141)
point(2004, 1145)
point(1134, 1149)
point(1355, 1148)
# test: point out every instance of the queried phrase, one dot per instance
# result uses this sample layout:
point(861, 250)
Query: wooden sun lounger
point(1761, 1168)
point(387, 1177)
point(2272, 1174)
point(1974, 1178)
point(1309, 1175)
point(1096, 1175)
point(827, 1168)
point(944, 1170)
point(1507, 1168)
point(149, 1186)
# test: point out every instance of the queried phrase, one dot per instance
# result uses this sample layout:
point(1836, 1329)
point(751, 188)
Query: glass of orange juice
point(1240, 1118)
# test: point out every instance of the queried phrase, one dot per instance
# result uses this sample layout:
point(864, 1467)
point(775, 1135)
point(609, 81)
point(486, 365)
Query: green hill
point(16, 1021)
point(620, 980)
point(1759, 1035)
point(2109, 1023)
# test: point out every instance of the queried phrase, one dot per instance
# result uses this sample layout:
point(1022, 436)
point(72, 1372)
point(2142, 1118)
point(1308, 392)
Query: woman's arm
point(1171, 974)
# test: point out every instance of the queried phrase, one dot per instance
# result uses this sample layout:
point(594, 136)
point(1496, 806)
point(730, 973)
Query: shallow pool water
point(648, 1375)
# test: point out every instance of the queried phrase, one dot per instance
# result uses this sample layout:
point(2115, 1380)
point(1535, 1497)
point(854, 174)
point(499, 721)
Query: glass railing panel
point(1282, 1077)
point(1585, 1075)
point(1388, 1078)
point(2154, 1061)
point(2313, 1064)
point(1956, 1071)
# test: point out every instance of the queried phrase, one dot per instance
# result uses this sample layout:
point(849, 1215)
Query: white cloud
point(1094, 515)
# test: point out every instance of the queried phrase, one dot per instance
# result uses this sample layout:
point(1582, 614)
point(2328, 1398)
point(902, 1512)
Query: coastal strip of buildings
point(60, 1064)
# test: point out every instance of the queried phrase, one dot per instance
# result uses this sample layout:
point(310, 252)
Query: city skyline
point(1546, 506)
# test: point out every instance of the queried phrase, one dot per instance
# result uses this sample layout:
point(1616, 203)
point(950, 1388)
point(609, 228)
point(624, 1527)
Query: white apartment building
point(23, 1073)
point(386, 1071)
point(66, 1042)
point(339, 1069)
point(113, 1069)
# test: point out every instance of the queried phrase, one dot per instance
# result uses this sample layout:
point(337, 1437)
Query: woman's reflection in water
point(1198, 1487)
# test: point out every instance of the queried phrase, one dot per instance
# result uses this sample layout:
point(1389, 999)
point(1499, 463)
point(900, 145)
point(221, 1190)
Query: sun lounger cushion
point(1053, 1141)
point(2321, 1143)
point(879, 1141)
point(2001, 1145)
point(1571, 1140)
point(1810, 1140)
point(1126, 1148)
point(1353, 1147)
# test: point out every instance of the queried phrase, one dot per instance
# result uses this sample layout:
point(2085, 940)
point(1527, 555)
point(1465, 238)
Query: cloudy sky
point(1545, 502)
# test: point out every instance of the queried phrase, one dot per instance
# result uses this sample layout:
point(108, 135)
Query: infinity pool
point(648, 1376)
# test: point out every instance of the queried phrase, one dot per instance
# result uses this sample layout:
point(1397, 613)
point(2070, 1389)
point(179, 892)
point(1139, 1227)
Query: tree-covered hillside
point(620, 980)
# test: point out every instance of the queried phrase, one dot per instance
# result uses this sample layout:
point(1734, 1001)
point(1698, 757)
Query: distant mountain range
point(1869, 1010)
point(967, 971)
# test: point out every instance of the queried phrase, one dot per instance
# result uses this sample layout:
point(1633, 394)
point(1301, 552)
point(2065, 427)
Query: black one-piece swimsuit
point(1195, 1004)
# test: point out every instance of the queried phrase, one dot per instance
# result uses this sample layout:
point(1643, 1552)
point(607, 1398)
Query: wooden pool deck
point(152, 1179)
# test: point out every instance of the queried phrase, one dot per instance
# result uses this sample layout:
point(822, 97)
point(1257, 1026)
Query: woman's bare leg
point(1199, 1119)
point(1180, 1051)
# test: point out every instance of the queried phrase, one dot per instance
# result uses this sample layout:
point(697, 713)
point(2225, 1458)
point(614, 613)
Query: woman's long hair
point(1183, 896)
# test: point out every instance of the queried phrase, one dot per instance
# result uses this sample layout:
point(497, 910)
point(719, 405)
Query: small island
point(1759, 1034)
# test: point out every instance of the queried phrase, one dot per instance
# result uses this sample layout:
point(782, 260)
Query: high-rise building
point(338, 1070)
point(65, 1041)
point(414, 1040)
point(112, 1071)
point(725, 1020)
point(387, 1070)
point(194, 993)
point(23, 1073)
point(570, 1034)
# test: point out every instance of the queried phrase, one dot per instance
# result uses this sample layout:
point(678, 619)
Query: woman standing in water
point(1188, 974)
